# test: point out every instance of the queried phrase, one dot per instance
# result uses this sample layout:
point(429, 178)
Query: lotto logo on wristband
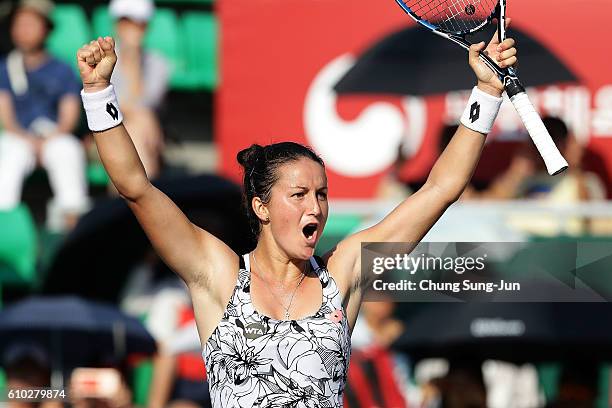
point(99, 106)
point(474, 112)
point(112, 111)
point(481, 111)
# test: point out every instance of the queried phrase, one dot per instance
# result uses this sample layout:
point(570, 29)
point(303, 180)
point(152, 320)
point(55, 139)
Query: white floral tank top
point(256, 361)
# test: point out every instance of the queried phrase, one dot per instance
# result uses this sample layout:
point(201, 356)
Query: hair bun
point(249, 156)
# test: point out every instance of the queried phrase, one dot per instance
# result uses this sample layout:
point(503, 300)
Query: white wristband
point(481, 111)
point(102, 109)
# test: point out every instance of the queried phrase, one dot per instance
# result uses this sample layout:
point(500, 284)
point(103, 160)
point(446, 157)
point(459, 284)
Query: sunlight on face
point(298, 207)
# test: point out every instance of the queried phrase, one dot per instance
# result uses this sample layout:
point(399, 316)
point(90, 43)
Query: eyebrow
point(306, 188)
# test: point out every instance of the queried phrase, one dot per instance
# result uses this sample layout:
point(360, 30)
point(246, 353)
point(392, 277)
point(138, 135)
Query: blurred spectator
point(39, 109)
point(378, 377)
point(99, 388)
point(527, 178)
point(26, 366)
point(140, 80)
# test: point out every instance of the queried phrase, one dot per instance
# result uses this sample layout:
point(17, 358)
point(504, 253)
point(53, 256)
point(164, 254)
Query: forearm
point(121, 162)
point(455, 166)
point(7, 116)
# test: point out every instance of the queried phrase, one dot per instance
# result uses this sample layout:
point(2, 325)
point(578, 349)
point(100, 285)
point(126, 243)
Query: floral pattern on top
point(257, 361)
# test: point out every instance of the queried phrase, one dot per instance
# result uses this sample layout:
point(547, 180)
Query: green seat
point(96, 174)
point(336, 229)
point(18, 246)
point(199, 39)
point(2, 381)
point(102, 23)
point(141, 382)
point(163, 36)
point(70, 33)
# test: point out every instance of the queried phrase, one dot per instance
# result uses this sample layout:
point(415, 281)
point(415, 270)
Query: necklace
point(288, 308)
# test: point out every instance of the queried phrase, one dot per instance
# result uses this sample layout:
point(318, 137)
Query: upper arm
point(407, 223)
point(193, 253)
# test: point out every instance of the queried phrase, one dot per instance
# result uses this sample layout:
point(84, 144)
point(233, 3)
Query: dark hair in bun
point(260, 164)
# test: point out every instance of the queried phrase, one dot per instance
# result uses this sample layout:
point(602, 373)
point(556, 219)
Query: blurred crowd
point(41, 126)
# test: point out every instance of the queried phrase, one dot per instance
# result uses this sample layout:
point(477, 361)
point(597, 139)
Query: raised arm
point(194, 254)
point(411, 220)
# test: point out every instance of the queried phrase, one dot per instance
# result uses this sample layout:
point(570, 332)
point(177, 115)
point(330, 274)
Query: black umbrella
point(517, 332)
point(415, 62)
point(73, 331)
point(95, 259)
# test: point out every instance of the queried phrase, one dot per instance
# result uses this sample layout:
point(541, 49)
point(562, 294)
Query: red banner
point(282, 58)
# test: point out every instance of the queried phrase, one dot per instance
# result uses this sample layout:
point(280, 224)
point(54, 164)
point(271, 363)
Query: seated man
point(39, 110)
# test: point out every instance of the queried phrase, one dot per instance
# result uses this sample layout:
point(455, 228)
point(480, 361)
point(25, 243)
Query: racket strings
point(453, 16)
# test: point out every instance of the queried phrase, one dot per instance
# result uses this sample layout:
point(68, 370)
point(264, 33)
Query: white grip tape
point(102, 109)
point(553, 159)
point(481, 111)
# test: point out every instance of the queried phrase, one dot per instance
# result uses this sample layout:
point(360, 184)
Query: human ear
point(260, 209)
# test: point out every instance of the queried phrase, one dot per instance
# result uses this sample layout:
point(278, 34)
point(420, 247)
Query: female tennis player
point(275, 324)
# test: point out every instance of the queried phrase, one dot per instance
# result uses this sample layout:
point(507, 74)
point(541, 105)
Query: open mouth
point(309, 230)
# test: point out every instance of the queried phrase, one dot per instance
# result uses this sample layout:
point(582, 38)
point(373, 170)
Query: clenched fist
point(96, 61)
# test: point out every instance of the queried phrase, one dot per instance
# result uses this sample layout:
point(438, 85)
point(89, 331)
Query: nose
point(315, 206)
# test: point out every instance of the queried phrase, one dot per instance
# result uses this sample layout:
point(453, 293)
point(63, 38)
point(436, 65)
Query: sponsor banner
point(487, 272)
point(282, 60)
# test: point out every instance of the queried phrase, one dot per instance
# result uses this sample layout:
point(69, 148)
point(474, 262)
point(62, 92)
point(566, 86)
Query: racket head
point(453, 17)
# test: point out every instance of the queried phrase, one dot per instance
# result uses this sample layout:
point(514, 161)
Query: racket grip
point(555, 163)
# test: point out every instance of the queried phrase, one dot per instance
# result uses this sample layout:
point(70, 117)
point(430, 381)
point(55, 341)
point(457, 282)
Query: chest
point(293, 301)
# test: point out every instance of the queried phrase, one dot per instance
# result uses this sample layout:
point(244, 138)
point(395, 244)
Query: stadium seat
point(199, 39)
point(141, 382)
point(70, 33)
point(101, 22)
point(337, 228)
point(163, 36)
point(97, 175)
point(18, 246)
point(2, 382)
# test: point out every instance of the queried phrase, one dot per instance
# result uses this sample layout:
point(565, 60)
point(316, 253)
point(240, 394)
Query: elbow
point(447, 194)
point(133, 191)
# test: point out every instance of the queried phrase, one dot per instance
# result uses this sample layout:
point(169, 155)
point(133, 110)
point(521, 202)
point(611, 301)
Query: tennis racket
point(454, 20)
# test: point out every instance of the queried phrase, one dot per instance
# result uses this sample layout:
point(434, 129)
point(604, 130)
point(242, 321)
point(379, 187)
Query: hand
point(96, 61)
point(503, 54)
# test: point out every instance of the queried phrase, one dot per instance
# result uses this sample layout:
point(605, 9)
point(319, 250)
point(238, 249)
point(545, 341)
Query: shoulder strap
point(317, 262)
